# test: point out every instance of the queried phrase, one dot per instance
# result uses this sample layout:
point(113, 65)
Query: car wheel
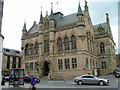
point(101, 83)
point(38, 81)
point(117, 76)
point(80, 82)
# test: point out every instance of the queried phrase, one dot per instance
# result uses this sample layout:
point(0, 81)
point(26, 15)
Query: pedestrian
point(3, 81)
point(33, 82)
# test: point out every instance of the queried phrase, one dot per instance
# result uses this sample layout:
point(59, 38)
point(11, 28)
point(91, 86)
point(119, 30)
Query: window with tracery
point(31, 66)
point(102, 47)
point(74, 63)
point(103, 64)
point(67, 64)
point(27, 50)
point(31, 49)
point(66, 44)
point(73, 39)
point(36, 49)
point(46, 43)
point(60, 64)
point(60, 48)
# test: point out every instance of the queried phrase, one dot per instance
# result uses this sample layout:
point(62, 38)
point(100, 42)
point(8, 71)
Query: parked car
point(117, 73)
point(27, 79)
point(90, 79)
point(6, 78)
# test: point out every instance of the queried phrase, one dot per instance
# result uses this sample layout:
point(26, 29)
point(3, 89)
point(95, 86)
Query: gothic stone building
point(68, 46)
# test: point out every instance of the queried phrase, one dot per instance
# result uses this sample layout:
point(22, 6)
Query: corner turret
point(24, 30)
point(80, 16)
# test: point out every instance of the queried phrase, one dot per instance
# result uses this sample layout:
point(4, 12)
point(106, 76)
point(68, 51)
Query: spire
point(86, 7)
point(24, 27)
point(107, 18)
point(41, 17)
point(108, 23)
point(51, 8)
point(79, 9)
point(86, 3)
point(46, 13)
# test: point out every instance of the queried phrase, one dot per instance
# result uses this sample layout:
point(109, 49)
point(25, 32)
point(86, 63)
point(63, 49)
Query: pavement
point(46, 83)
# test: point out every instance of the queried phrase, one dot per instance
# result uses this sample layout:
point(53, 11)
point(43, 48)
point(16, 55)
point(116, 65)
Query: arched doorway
point(46, 68)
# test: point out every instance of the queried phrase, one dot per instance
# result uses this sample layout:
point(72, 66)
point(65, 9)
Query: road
point(62, 84)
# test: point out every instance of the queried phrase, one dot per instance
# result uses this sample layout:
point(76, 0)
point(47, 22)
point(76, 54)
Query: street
point(69, 84)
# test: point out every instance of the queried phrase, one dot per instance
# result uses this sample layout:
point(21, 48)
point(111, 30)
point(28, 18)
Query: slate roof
point(66, 19)
point(12, 52)
point(34, 29)
point(60, 21)
point(104, 26)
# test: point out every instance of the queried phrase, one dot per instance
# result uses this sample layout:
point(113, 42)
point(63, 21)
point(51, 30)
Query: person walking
point(33, 82)
point(3, 81)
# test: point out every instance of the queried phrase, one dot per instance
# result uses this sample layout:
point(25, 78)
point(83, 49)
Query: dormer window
point(46, 24)
point(100, 29)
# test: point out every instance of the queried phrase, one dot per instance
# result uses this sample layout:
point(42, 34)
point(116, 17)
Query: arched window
point(32, 49)
point(46, 44)
point(36, 48)
point(27, 50)
point(60, 44)
point(102, 47)
point(66, 45)
point(73, 39)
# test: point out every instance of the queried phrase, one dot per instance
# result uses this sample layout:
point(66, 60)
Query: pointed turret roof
point(107, 18)
point(51, 8)
point(41, 17)
point(24, 26)
point(79, 9)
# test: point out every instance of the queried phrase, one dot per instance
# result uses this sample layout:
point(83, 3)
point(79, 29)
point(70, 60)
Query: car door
point(91, 80)
point(85, 79)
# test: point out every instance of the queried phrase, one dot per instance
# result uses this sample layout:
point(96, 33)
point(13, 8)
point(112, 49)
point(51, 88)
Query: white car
point(90, 79)
point(6, 78)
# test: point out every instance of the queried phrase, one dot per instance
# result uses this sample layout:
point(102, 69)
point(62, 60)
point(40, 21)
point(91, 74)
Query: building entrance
point(46, 68)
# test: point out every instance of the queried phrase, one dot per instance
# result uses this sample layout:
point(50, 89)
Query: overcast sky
point(18, 11)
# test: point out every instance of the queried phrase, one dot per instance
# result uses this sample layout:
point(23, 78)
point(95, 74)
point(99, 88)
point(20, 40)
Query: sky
point(16, 12)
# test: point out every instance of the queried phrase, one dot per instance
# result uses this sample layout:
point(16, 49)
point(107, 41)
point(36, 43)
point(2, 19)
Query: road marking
point(55, 81)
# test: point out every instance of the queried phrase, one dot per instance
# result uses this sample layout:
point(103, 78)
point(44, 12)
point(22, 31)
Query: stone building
point(68, 46)
point(11, 59)
point(118, 60)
